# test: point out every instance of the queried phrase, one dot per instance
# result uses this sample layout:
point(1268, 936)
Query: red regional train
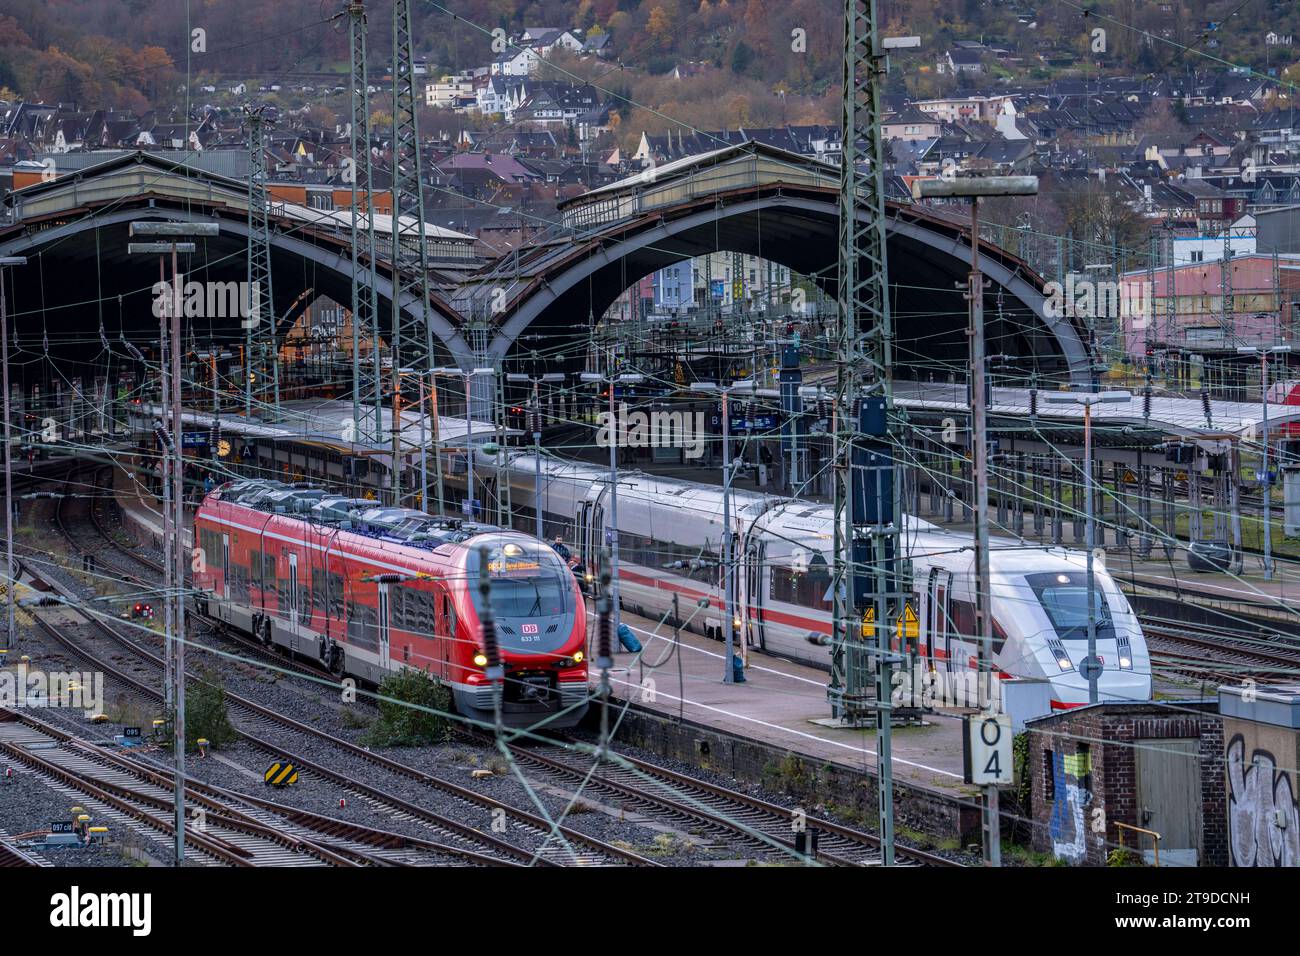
point(369, 590)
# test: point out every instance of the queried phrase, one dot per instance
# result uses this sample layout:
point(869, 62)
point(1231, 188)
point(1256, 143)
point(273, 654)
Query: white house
point(517, 62)
point(1240, 239)
point(449, 92)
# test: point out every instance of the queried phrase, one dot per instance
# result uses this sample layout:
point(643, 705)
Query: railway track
point(12, 856)
point(235, 829)
point(751, 823)
point(124, 556)
point(281, 736)
point(226, 835)
point(1198, 650)
point(712, 809)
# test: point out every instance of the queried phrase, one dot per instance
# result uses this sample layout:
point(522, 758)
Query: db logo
point(529, 628)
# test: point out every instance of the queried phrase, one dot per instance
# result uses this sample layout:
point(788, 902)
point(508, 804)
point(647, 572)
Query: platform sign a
point(986, 749)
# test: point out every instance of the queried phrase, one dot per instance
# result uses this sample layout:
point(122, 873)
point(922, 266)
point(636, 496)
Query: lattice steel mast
point(259, 257)
point(365, 306)
point(869, 573)
point(408, 200)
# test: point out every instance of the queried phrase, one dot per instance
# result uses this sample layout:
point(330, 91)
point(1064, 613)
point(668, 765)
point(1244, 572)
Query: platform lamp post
point(468, 375)
point(1264, 354)
point(975, 189)
point(728, 559)
point(10, 597)
point(1091, 669)
point(537, 435)
point(626, 378)
point(170, 234)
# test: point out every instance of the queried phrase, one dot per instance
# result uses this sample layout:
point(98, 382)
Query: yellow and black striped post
point(280, 774)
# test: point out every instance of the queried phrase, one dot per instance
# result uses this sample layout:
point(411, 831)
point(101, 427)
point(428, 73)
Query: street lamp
point(468, 375)
point(974, 188)
point(626, 378)
point(1091, 668)
point(728, 572)
point(5, 263)
point(171, 232)
point(537, 435)
point(1263, 354)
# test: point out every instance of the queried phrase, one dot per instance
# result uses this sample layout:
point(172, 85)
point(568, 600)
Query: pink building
point(1262, 308)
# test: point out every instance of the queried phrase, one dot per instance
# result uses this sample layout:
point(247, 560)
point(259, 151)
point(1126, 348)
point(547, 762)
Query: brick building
point(1155, 766)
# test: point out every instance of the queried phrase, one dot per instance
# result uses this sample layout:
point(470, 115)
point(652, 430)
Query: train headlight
point(1125, 662)
point(1064, 664)
point(579, 657)
point(480, 659)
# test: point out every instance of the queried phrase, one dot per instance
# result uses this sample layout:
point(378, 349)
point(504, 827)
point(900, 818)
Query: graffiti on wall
point(1263, 821)
point(1069, 782)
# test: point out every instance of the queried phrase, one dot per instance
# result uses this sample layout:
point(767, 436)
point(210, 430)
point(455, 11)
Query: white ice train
point(670, 534)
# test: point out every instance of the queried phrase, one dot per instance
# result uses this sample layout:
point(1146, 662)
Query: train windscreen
point(1064, 596)
point(530, 587)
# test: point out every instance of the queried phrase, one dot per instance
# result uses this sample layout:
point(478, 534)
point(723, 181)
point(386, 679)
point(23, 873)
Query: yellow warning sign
point(911, 628)
point(280, 774)
point(1130, 478)
point(869, 623)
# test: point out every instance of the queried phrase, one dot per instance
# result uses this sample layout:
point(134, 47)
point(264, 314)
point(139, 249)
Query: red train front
point(368, 590)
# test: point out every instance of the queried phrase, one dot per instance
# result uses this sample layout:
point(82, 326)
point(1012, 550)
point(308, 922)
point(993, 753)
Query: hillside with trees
point(748, 61)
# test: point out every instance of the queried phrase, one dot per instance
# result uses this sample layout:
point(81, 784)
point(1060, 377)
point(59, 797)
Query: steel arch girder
point(443, 328)
point(605, 253)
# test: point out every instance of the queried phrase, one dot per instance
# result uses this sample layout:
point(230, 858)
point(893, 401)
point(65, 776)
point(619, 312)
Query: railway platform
point(780, 704)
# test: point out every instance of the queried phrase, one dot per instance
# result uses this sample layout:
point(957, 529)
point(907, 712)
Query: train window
point(1064, 596)
point(336, 594)
point(999, 637)
point(397, 608)
point(304, 602)
point(424, 613)
point(282, 589)
point(963, 619)
point(807, 589)
point(363, 630)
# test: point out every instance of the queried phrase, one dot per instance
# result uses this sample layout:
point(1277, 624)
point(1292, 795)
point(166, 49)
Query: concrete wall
point(849, 791)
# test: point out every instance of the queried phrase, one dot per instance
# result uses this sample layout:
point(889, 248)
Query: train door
point(443, 631)
point(591, 520)
point(225, 567)
point(381, 609)
point(291, 618)
point(939, 641)
point(752, 600)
